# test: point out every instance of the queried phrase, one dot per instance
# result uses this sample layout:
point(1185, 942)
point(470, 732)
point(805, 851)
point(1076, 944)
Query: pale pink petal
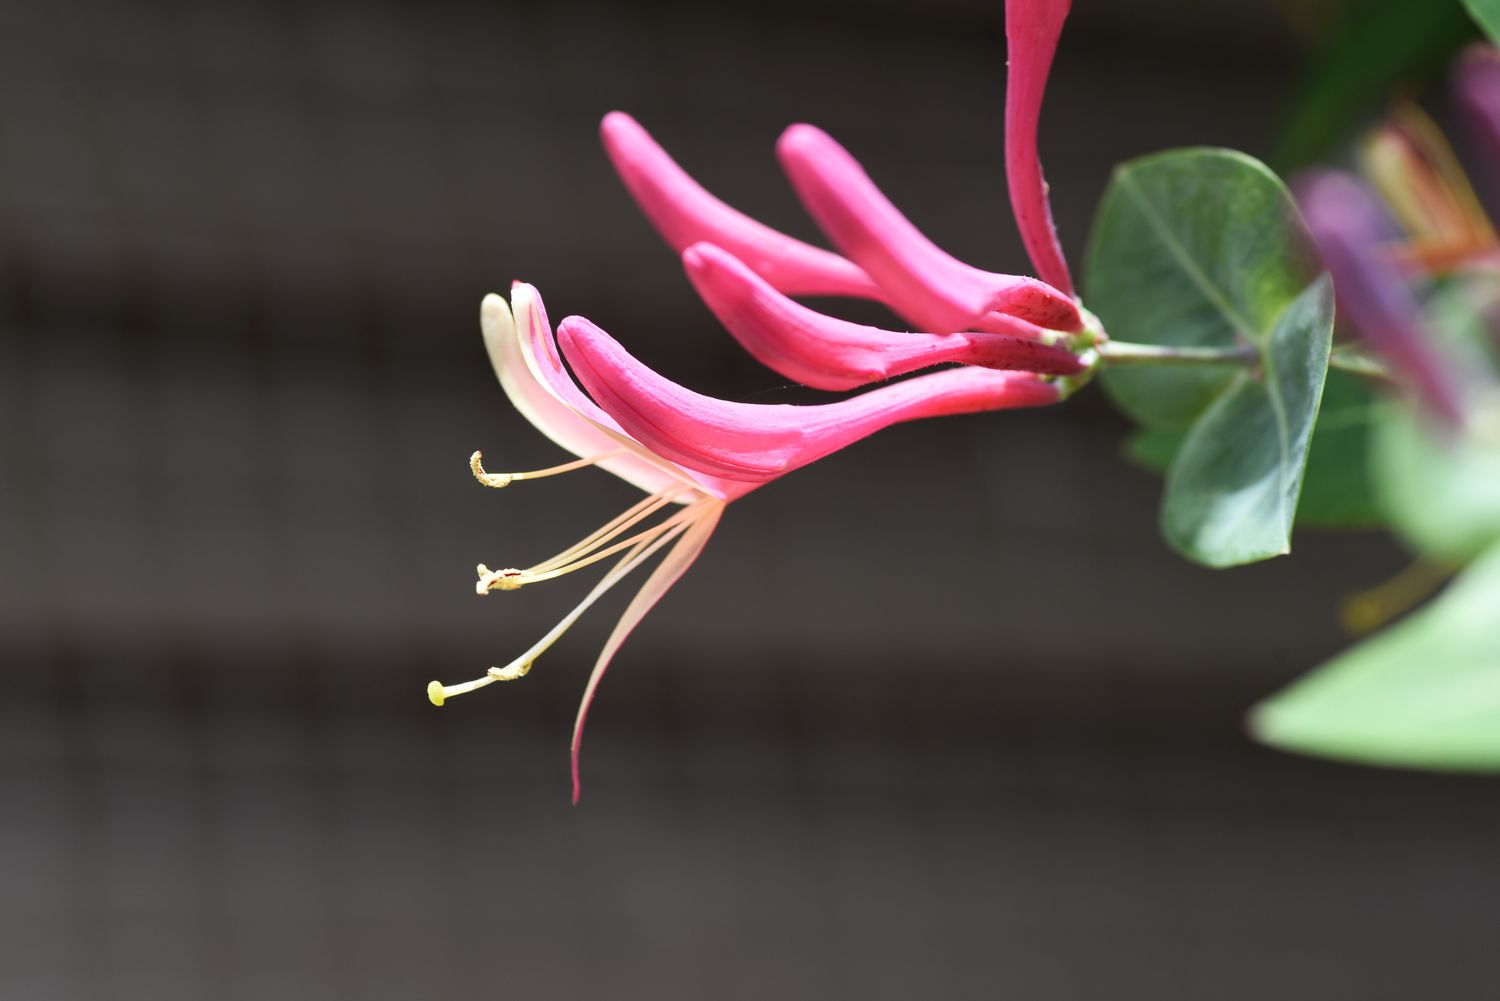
point(828, 353)
point(920, 281)
point(1032, 28)
point(684, 213)
point(667, 573)
point(526, 362)
point(758, 442)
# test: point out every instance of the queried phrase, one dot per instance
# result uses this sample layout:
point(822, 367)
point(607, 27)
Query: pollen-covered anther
point(508, 579)
point(512, 671)
point(496, 480)
point(499, 480)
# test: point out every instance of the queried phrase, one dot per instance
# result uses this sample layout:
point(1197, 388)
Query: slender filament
point(499, 480)
point(638, 553)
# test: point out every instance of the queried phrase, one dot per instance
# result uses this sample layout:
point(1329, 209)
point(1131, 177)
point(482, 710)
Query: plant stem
point(1359, 363)
point(1113, 353)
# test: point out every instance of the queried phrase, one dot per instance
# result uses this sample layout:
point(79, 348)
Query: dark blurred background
point(938, 717)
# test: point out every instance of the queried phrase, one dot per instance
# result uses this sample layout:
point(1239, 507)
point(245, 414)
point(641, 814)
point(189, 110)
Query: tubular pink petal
point(757, 442)
point(684, 213)
point(1032, 28)
point(828, 353)
point(919, 280)
point(666, 574)
point(542, 369)
point(565, 426)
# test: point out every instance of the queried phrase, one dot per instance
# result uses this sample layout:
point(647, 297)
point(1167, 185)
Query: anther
point(508, 579)
point(496, 480)
point(511, 671)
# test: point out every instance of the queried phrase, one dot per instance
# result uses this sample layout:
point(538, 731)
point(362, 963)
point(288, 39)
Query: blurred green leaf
point(1205, 248)
point(1191, 248)
point(1231, 492)
point(1440, 490)
point(1424, 693)
point(1153, 449)
point(1441, 487)
point(1487, 13)
point(1376, 47)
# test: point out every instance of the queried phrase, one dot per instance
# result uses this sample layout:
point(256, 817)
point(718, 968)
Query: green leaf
point(1192, 248)
point(1487, 14)
point(1440, 490)
point(1336, 488)
point(1424, 693)
point(1153, 450)
point(1204, 248)
point(1231, 492)
point(1337, 491)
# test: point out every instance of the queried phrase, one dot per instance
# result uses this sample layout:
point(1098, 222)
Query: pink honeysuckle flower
point(1413, 167)
point(692, 455)
point(1374, 297)
point(921, 281)
point(1032, 28)
point(684, 213)
point(755, 443)
point(685, 504)
point(892, 262)
point(828, 353)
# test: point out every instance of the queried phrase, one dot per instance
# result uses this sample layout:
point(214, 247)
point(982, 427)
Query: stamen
point(510, 580)
point(498, 480)
point(437, 692)
point(497, 580)
point(632, 516)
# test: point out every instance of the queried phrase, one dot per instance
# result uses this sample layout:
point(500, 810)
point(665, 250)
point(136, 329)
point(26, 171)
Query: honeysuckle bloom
point(887, 258)
point(829, 353)
point(884, 256)
point(1032, 29)
point(755, 443)
point(690, 453)
point(1414, 168)
point(1375, 297)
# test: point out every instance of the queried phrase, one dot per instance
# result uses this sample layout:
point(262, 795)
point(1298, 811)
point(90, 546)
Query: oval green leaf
point(1192, 248)
point(1336, 488)
point(1232, 490)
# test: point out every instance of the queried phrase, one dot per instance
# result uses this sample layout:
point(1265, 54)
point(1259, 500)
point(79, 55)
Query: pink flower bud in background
point(1374, 297)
